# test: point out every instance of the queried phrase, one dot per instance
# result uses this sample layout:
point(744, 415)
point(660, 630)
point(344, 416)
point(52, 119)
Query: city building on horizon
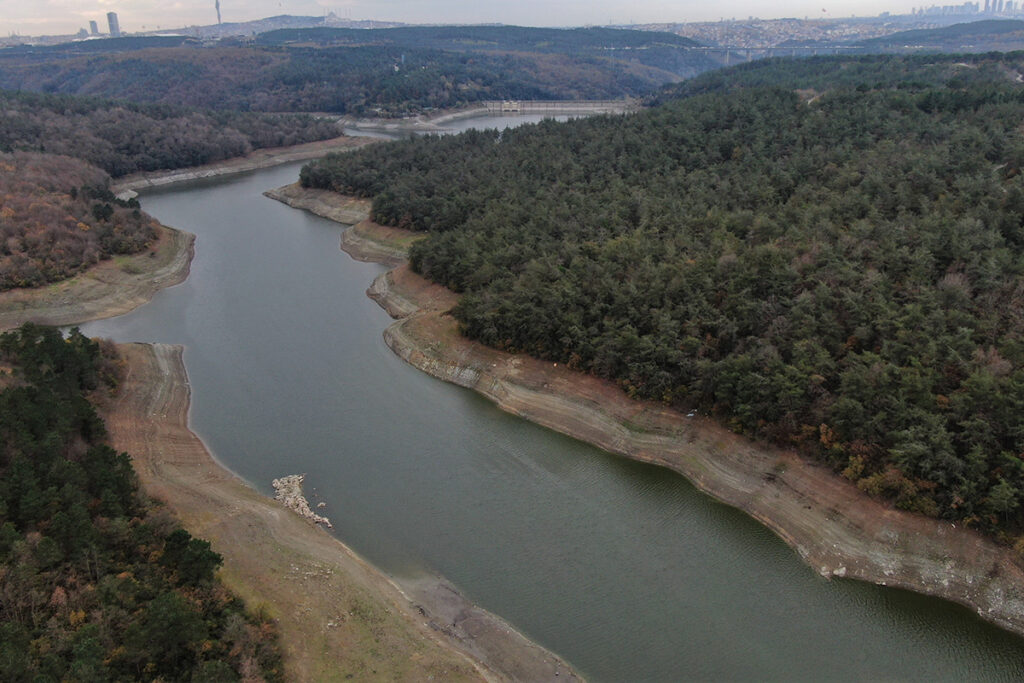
point(94, 29)
point(115, 30)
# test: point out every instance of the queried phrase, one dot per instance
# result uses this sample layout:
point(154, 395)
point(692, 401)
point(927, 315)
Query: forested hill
point(58, 218)
point(841, 271)
point(388, 72)
point(97, 583)
point(872, 72)
point(123, 138)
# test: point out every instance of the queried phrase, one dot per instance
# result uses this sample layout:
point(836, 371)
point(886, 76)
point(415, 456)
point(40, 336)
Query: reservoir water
point(624, 569)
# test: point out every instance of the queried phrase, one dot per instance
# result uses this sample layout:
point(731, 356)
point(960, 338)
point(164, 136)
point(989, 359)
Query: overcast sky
point(41, 17)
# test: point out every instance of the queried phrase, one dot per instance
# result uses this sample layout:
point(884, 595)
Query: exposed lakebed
point(622, 568)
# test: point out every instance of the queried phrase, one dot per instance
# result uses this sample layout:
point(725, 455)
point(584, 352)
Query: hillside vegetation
point(873, 72)
point(385, 71)
point(123, 138)
point(58, 217)
point(840, 270)
point(96, 582)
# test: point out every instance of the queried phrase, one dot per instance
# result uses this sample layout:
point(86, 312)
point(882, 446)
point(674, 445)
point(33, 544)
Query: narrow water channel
point(622, 568)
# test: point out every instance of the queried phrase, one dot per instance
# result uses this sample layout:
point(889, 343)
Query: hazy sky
point(37, 17)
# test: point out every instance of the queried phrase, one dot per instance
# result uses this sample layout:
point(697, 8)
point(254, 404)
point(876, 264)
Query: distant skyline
point(55, 17)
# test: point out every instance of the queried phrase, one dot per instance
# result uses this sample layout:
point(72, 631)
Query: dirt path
point(834, 527)
point(339, 617)
point(110, 288)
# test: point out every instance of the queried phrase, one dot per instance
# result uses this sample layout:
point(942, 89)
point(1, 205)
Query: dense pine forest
point(388, 72)
point(827, 254)
point(123, 138)
point(96, 581)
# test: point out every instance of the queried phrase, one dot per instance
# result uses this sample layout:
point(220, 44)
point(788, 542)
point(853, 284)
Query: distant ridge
point(101, 45)
point(995, 34)
point(480, 37)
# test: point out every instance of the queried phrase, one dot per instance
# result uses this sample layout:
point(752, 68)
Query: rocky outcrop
point(288, 492)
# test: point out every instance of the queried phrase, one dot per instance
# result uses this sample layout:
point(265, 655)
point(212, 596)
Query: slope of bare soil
point(836, 529)
point(338, 616)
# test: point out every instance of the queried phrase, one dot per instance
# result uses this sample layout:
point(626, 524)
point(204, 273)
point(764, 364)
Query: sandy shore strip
point(339, 617)
point(111, 287)
point(260, 158)
point(373, 243)
point(834, 527)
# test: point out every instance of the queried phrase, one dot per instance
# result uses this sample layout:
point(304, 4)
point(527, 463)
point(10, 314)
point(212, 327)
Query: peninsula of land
point(120, 284)
point(112, 287)
point(837, 529)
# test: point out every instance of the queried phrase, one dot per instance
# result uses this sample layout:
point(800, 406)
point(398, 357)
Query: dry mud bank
point(112, 287)
point(348, 210)
point(339, 617)
point(436, 121)
point(261, 158)
point(369, 242)
point(835, 528)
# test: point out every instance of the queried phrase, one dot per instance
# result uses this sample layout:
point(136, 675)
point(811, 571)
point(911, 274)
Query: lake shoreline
point(258, 159)
point(835, 528)
point(436, 122)
point(110, 288)
point(326, 598)
point(120, 284)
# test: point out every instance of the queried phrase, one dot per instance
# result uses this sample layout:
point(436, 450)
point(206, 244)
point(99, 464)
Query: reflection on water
point(623, 568)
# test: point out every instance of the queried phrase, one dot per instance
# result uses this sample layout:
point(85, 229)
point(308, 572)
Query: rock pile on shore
point(288, 490)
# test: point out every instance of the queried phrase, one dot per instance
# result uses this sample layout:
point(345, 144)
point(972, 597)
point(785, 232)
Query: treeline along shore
point(823, 254)
point(836, 528)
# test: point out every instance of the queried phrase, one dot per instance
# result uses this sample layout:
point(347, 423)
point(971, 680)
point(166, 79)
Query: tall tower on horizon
point(115, 30)
point(217, 5)
point(94, 30)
